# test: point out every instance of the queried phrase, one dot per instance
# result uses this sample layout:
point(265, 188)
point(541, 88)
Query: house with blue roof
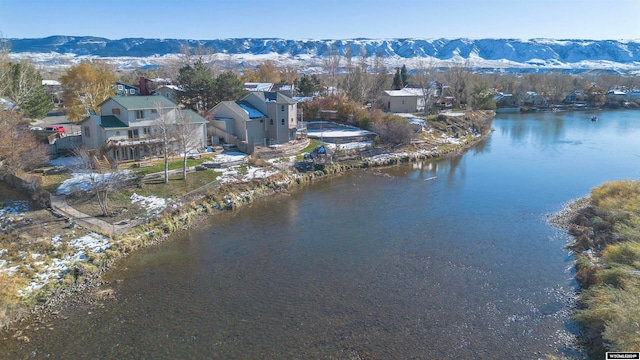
point(262, 118)
point(126, 127)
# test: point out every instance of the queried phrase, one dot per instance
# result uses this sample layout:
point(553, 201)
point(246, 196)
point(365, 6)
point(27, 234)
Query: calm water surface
point(450, 258)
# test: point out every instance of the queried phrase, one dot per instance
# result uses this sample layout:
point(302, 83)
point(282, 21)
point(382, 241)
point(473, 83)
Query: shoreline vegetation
point(81, 285)
point(605, 226)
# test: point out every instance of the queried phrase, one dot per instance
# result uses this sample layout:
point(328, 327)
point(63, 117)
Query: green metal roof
point(193, 116)
point(110, 121)
point(144, 102)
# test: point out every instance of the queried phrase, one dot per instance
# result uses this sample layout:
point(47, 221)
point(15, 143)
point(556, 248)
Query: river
point(451, 258)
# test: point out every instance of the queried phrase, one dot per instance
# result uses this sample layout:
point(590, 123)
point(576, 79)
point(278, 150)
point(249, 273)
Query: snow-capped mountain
point(487, 53)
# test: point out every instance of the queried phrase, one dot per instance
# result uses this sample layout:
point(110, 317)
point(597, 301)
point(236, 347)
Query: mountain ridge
point(540, 52)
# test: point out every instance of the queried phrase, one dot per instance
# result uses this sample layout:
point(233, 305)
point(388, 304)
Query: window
point(139, 114)
point(282, 108)
point(87, 131)
point(120, 87)
point(115, 111)
point(168, 95)
point(146, 131)
point(282, 122)
point(132, 91)
point(154, 111)
point(133, 134)
point(270, 121)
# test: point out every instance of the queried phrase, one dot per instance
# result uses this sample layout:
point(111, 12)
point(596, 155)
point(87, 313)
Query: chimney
point(144, 90)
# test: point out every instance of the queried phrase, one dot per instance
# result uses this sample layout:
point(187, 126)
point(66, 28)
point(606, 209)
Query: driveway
point(56, 118)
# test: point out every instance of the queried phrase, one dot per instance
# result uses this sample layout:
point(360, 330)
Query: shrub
point(622, 330)
point(626, 253)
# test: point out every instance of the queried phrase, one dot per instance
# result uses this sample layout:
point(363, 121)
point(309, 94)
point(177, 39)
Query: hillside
point(615, 55)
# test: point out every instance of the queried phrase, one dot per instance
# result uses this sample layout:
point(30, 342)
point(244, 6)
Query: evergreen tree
point(397, 80)
point(228, 87)
point(38, 105)
point(199, 87)
point(24, 88)
point(308, 85)
point(404, 75)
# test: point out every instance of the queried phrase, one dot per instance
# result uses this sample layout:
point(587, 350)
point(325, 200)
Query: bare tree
point(102, 175)
point(163, 131)
point(457, 78)
point(187, 135)
point(5, 66)
point(423, 78)
point(331, 62)
point(19, 149)
point(381, 79)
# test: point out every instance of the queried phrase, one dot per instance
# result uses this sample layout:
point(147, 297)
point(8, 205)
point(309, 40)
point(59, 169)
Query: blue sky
point(328, 19)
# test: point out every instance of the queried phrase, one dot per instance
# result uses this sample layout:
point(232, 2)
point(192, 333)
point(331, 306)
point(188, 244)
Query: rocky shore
point(567, 216)
point(91, 288)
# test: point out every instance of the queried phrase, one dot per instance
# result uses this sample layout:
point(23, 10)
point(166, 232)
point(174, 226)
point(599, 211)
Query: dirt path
point(59, 204)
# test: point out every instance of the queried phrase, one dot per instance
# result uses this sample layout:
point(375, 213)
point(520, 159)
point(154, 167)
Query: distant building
point(54, 89)
point(257, 86)
point(399, 101)
point(168, 91)
point(285, 89)
point(122, 89)
point(6, 104)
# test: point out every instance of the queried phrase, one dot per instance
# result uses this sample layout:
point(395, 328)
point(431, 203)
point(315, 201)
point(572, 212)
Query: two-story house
point(127, 126)
point(122, 89)
point(260, 118)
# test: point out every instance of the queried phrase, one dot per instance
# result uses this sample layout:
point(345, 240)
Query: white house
point(127, 124)
point(260, 118)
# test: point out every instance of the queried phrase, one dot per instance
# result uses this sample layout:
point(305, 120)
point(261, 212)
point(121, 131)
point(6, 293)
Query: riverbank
point(227, 196)
point(606, 229)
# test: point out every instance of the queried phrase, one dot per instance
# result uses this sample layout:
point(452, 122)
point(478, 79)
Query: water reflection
point(446, 258)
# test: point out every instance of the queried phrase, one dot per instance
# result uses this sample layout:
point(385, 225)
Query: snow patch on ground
point(59, 264)
point(66, 161)
point(153, 204)
point(350, 146)
point(237, 173)
point(11, 212)
point(84, 181)
point(230, 156)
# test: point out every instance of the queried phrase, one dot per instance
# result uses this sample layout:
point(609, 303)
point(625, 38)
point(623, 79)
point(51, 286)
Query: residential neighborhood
point(116, 160)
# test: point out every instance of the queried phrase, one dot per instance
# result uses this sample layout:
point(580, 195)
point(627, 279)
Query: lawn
point(121, 206)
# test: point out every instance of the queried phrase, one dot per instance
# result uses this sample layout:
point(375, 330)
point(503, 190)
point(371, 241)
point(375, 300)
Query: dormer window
point(139, 114)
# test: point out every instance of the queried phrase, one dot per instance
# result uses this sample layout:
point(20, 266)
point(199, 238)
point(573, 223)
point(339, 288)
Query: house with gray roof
point(261, 118)
point(126, 127)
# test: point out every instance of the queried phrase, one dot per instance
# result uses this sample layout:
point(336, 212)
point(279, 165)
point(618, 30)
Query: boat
point(594, 118)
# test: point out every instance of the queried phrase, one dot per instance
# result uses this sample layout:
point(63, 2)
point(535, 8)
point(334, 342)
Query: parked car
point(193, 154)
point(57, 128)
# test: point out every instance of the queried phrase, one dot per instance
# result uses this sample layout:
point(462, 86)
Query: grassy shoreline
point(81, 289)
point(606, 229)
